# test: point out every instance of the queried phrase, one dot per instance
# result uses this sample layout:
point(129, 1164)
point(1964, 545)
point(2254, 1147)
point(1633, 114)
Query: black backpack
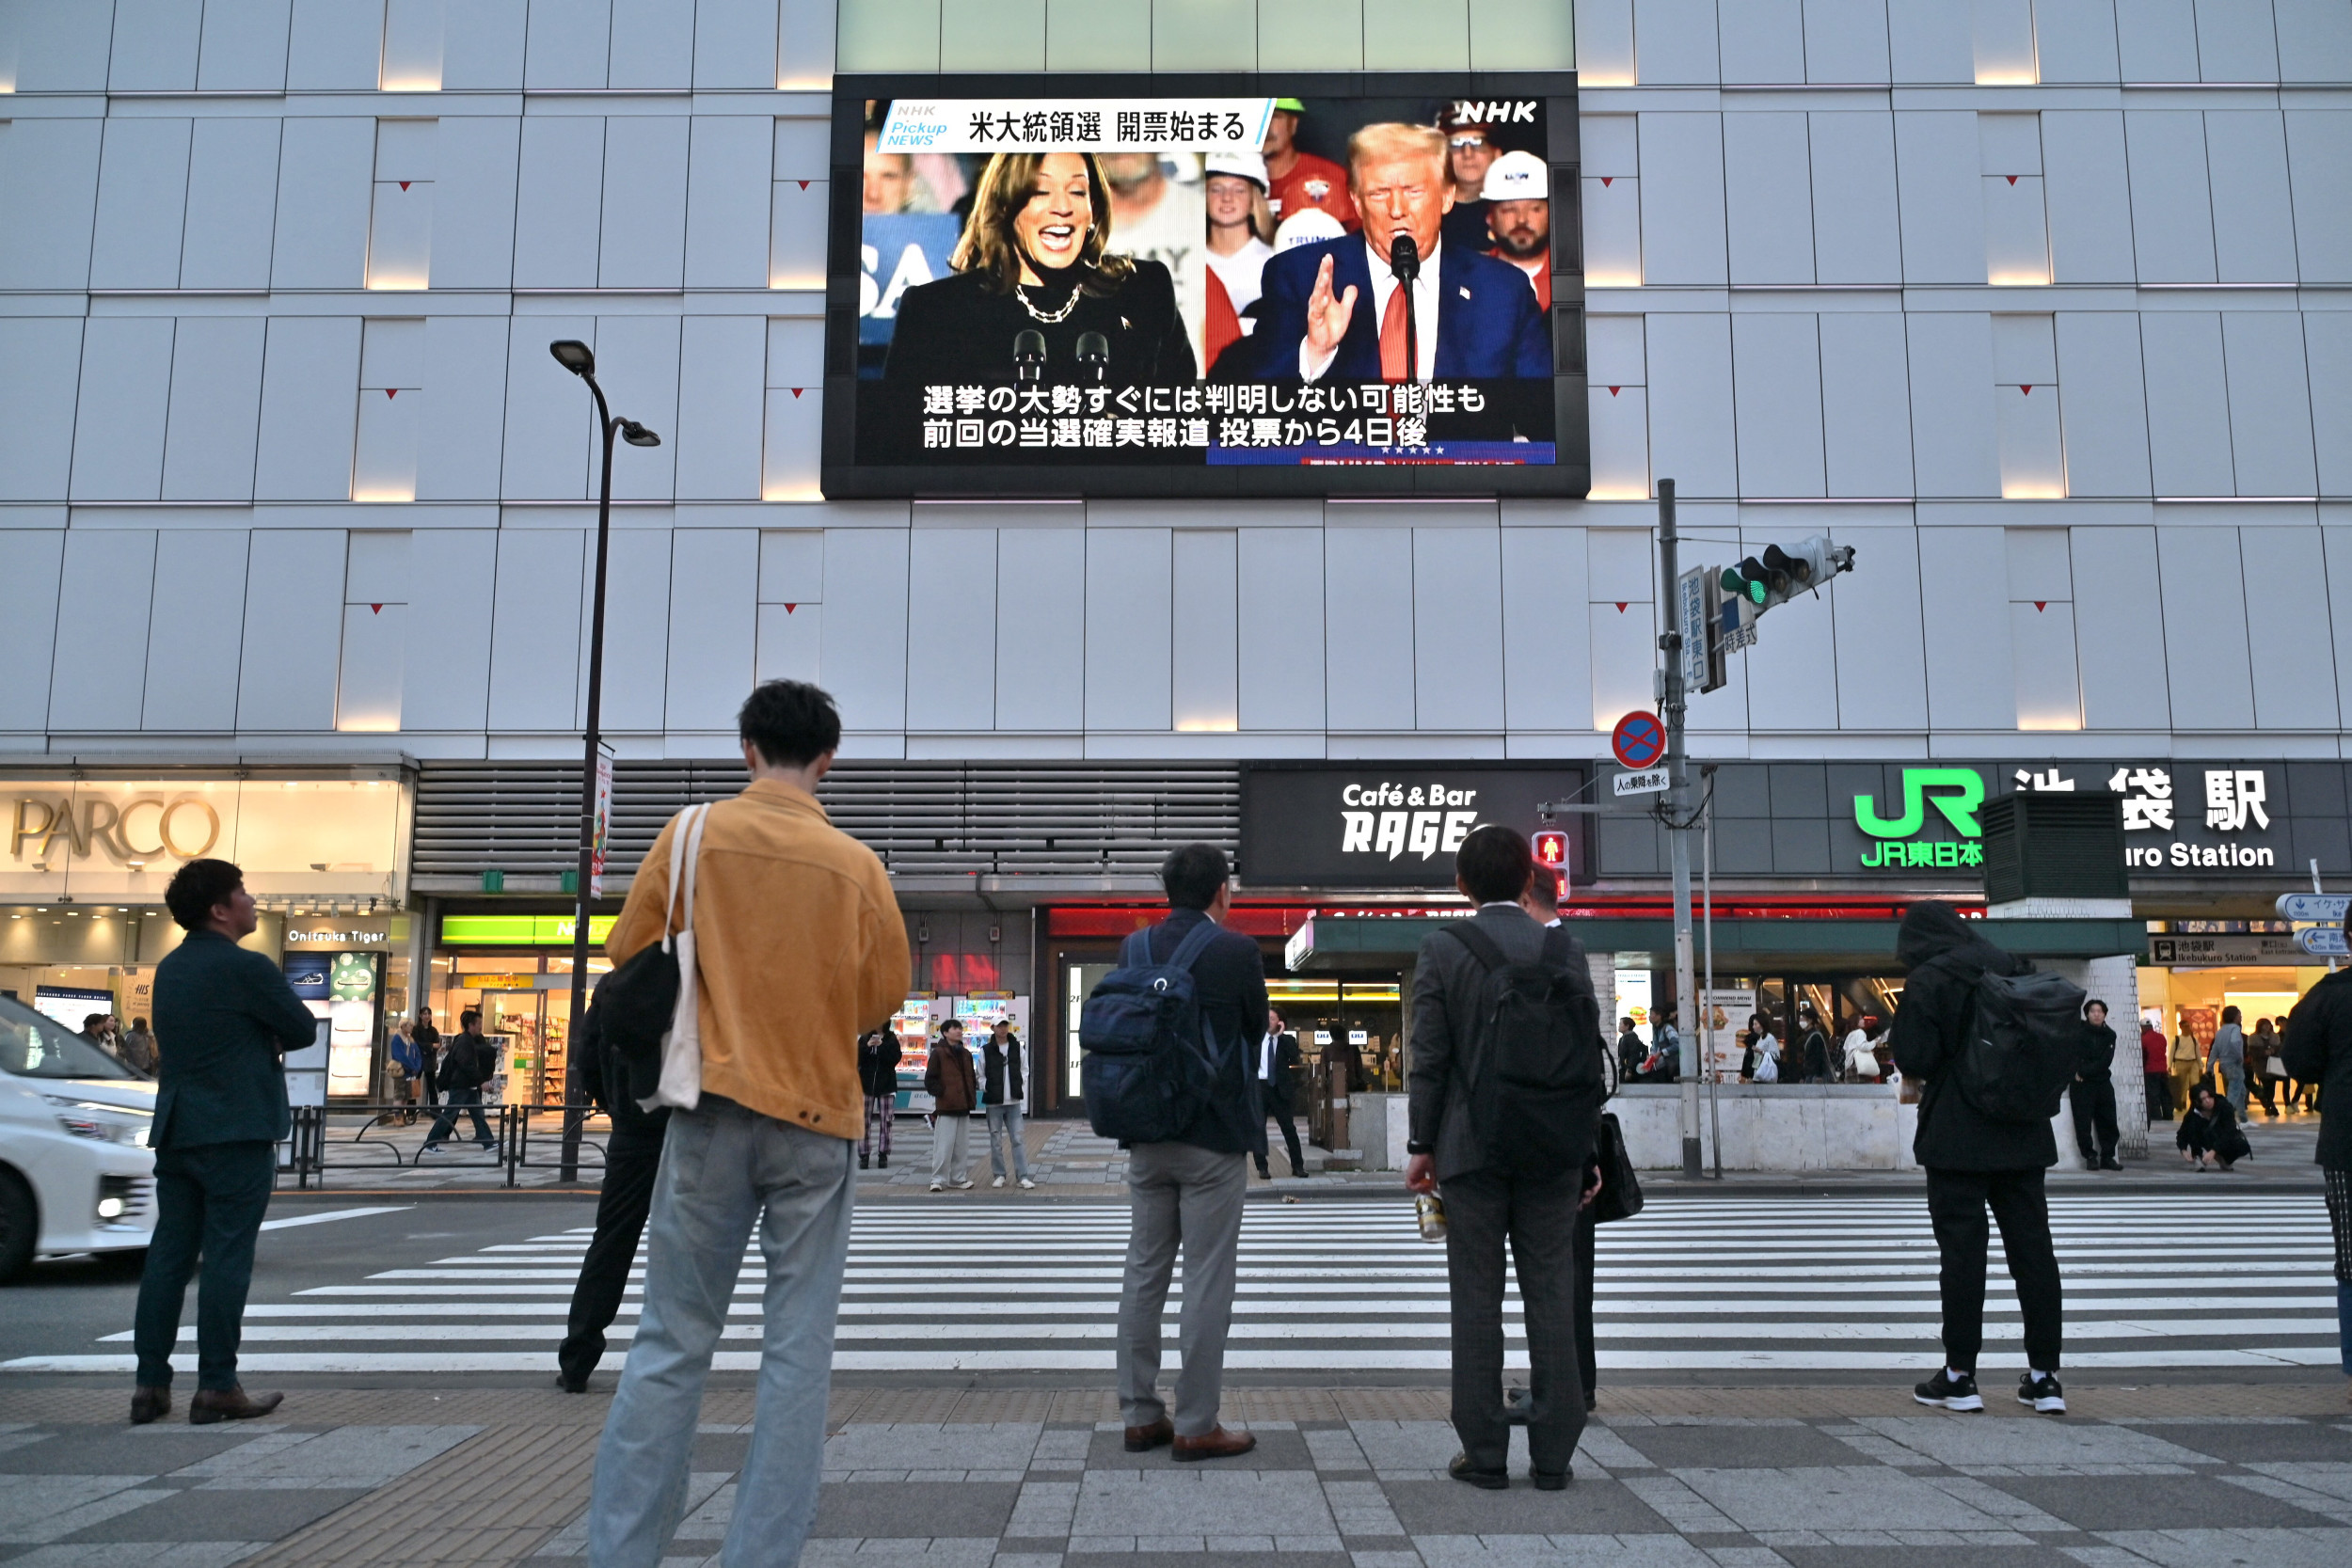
point(1149, 1062)
point(2023, 1046)
point(1537, 1103)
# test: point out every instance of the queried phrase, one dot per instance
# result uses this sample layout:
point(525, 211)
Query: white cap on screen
point(1241, 162)
point(1309, 227)
point(1516, 176)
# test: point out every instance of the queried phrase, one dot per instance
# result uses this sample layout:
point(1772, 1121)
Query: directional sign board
point(1639, 741)
point(1648, 782)
point(2315, 906)
point(2324, 941)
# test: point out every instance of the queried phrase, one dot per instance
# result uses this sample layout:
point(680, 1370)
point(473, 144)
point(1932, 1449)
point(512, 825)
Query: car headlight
point(105, 1124)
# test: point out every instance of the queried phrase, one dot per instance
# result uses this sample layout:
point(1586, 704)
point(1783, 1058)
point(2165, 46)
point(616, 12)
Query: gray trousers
point(1483, 1210)
point(950, 1143)
point(1179, 1196)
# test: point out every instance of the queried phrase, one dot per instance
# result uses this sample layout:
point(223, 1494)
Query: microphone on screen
point(1028, 355)
point(1404, 257)
point(1094, 353)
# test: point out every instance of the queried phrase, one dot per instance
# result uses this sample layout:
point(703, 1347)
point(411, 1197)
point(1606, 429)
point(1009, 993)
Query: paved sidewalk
point(2189, 1475)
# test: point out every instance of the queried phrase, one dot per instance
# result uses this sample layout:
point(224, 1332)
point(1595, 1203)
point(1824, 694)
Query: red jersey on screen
point(1540, 275)
point(1312, 182)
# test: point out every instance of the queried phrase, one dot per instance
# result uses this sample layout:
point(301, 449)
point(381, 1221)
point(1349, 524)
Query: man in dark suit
point(225, 1017)
point(1278, 1072)
point(1486, 1203)
point(1188, 1190)
point(1337, 310)
point(632, 1157)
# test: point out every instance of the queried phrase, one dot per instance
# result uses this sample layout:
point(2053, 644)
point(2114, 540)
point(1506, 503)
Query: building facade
point(2044, 306)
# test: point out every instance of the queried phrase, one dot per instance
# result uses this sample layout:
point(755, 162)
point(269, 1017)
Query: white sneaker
point(1026, 1183)
point(963, 1184)
point(936, 1186)
point(998, 1182)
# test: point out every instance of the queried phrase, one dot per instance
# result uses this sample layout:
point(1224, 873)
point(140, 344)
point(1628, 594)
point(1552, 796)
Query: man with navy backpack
point(1186, 1187)
point(1978, 1151)
point(1507, 1088)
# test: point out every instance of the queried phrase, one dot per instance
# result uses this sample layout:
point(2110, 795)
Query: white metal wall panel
point(636, 622)
point(1618, 427)
point(2253, 215)
point(156, 45)
point(1963, 573)
point(333, 45)
point(2157, 39)
point(534, 635)
point(791, 445)
point(2033, 461)
point(2188, 406)
point(2205, 629)
point(865, 653)
point(1612, 230)
point(326, 178)
point(2270, 408)
point(2234, 41)
point(2328, 344)
point(1866, 405)
point(96, 683)
point(2117, 601)
point(1368, 627)
point(1845, 42)
point(1546, 631)
point(2286, 578)
point(1675, 43)
point(244, 46)
point(644, 202)
point(2075, 41)
point(1882, 654)
point(1281, 604)
point(735, 47)
point(1930, 40)
point(1768, 195)
point(2042, 655)
point(640, 354)
point(473, 201)
point(368, 682)
point(484, 44)
point(31, 560)
point(2337, 543)
point(559, 197)
point(1206, 670)
point(465, 414)
point(796, 234)
point(2002, 33)
point(415, 33)
point(232, 204)
point(551, 420)
point(2105, 410)
point(1761, 42)
point(1857, 235)
point(726, 202)
point(216, 409)
point(446, 666)
point(1690, 404)
point(1604, 43)
point(1129, 618)
point(59, 47)
point(142, 196)
point(723, 372)
point(653, 42)
point(191, 659)
point(48, 187)
point(1937, 163)
point(2315, 40)
point(714, 596)
point(2319, 165)
point(791, 643)
point(1682, 198)
point(2087, 185)
point(1041, 628)
point(41, 368)
point(1777, 380)
point(792, 566)
point(567, 43)
point(1621, 621)
point(310, 403)
point(2171, 203)
point(375, 566)
point(951, 628)
point(2039, 567)
point(126, 389)
point(286, 673)
point(1457, 628)
point(1954, 444)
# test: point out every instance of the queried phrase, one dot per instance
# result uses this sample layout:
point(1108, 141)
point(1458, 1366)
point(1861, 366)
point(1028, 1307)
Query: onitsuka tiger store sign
point(1388, 824)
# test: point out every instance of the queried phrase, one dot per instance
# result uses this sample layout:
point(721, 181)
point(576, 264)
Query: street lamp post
point(576, 358)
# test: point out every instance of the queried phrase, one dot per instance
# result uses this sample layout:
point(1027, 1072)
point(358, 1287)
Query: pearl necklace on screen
point(1021, 292)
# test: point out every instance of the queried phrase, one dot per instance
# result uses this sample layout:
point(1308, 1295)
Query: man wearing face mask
point(1338, 309)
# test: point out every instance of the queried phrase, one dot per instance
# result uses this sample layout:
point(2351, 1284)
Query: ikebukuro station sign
point(2178, 816)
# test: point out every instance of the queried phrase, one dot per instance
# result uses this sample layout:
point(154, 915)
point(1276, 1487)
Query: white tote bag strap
point(693, 862)
point(683, 858)
point(681, 1047)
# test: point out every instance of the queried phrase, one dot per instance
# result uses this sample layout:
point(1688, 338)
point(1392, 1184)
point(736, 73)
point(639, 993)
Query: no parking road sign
point(1639, 741)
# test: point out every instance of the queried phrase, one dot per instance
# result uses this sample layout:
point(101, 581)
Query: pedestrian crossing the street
point(1691, 1285)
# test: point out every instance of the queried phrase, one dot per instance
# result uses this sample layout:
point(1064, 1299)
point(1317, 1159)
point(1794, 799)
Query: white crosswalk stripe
point(1692, 1285)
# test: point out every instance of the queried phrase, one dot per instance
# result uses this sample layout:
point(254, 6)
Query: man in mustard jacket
point(800, 950)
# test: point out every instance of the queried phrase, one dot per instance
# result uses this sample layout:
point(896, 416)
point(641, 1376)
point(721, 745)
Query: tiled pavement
point(1821, 1477)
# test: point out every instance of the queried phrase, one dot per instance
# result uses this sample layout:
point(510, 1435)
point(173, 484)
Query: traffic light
point(1551, 848)
point(1778, 574)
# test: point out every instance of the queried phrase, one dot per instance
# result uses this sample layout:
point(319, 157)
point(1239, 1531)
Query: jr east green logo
point(1954, 792)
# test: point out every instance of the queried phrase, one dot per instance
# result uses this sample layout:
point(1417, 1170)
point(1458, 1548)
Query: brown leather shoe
point(229, 1404)
point(149, 1404)
point(1215, 1443)
point(1157, 1435)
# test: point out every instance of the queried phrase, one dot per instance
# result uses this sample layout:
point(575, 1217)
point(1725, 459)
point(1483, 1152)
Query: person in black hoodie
point(2209, 1129)
point(632, 1158)
point(2319, 1051)
point(468, 1062)
point(878, 1057)
point(1815, 1053)
point(2094, 1094)
point(1972, 1162)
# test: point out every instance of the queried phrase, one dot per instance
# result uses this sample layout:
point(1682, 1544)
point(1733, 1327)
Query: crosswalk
point(1691, 1285)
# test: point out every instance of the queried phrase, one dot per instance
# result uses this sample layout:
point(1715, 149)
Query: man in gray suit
point(1486, 1203)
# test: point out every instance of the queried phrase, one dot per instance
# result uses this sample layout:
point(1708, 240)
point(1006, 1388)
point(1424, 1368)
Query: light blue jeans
point(725, 1169)
point(1004, 1122)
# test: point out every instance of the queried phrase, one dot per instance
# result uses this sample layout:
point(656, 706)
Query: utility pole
point(1676, 813)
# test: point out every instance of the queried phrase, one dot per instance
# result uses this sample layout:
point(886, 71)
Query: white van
point(77, 1174)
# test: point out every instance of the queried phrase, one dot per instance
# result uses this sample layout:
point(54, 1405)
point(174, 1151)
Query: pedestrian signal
point(1551, 848)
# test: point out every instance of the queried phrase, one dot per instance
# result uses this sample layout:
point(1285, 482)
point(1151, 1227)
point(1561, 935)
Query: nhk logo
point(1393, 833)
point(1954, 792)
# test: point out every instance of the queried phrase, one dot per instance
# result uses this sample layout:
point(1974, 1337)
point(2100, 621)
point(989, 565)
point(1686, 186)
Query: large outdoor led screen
point(1204, 286)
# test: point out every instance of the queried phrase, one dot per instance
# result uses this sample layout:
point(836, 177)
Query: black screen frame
point(842, 478)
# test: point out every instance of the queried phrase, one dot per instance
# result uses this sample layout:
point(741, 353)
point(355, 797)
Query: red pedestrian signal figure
point(1551, 848)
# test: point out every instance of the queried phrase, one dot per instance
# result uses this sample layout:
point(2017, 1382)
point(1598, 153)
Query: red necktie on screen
point(1393, 363)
